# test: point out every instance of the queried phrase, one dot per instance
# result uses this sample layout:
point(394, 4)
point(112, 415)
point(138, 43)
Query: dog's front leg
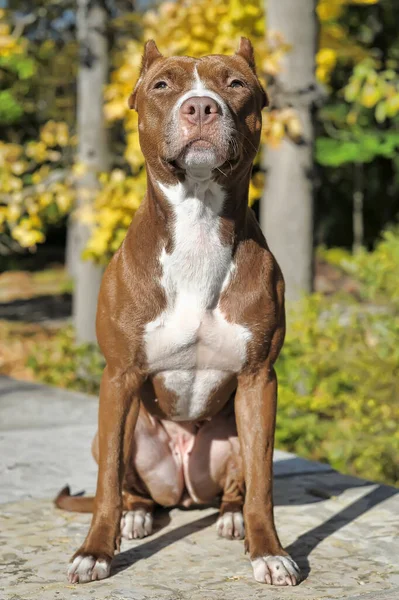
point(255, 407)
point(93, 560)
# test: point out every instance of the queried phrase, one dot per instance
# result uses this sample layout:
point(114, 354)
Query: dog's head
point(199, 114)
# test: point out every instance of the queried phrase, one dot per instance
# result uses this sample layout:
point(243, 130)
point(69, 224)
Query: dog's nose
point(199, 110)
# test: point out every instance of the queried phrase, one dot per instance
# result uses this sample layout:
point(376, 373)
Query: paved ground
point(344, 532)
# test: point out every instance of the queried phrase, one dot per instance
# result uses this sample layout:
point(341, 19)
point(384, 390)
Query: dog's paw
point(136, 524)
point(276, 570)
point(85, 568)
point(230, 525)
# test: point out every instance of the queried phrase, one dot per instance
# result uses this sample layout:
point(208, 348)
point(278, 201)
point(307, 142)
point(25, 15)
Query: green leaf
point(26, 68)
point(10, 109)
point(362, 148)
point(352, 90)
point(381, 112)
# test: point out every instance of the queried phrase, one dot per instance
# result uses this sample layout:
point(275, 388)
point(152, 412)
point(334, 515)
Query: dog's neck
point(223, 195)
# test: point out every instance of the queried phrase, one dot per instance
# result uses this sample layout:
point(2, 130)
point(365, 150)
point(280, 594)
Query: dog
point(190, 320)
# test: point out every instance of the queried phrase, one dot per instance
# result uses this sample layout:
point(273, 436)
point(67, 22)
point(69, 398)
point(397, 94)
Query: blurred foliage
point(338, 386)
point(339, 370)
point(375, 89)
point(61, 362)
point(36, 151)
point(362, 147)
point(36, 191)
point(371, 98)
point(16, 68)
point(377, 271)
point(40, 87)
point(29, 198)
point(358, 124)
point(336, 43)
point(18, 285)
point(17, 341)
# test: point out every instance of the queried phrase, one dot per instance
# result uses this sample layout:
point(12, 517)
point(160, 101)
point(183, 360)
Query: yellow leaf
point(370, 95)
point(79, 169)
point(27, 237)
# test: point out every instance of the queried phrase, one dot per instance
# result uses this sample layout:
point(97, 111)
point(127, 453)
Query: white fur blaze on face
point(199, 89)
point(206, 158)
point(87, 568)
point(230, 525)
point(191, 344)
point(199, 84)
point(136, 524)
point(276, 570)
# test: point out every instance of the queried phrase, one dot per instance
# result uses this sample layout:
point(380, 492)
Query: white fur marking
point(199, 84)
point(276, 570)
point(199, 89)
point(212, 157)
point(136, 524)
point(191, 343)
point(86, 568)
point(230, 525)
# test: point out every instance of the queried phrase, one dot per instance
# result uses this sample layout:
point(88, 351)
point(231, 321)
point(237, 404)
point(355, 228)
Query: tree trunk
point(358, 199)
point(70, 251)
point(92, 154)
point(286, 212)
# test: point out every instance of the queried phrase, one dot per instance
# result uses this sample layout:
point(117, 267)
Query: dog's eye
point(236, 83)
point(160, 85)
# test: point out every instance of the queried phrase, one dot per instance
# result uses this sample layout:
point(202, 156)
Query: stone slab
point(343, 532)
point(347, 545)
point(45, 437)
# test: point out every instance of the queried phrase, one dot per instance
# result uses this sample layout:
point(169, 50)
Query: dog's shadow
point(303, 546)
point(162, 518)
point(300, 549)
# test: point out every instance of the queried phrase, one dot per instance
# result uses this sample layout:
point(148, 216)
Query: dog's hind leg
point(137, 521)
point(230, 523)
point(153, 475)
point(215, 470)
point(138, 506)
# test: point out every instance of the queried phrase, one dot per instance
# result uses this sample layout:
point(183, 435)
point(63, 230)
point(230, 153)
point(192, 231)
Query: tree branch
point(54, 177)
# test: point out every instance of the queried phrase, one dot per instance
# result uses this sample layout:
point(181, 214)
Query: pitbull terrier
point(190, 320)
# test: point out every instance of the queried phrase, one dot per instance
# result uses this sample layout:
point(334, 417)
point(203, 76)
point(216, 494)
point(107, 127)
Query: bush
point(339, 387)
point(338, 372)
point(378, 271)
point(62, 362)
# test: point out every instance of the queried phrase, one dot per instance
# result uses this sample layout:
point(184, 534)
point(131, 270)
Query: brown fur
point(131, 296)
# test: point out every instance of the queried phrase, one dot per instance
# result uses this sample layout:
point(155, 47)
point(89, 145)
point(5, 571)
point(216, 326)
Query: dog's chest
point(191, 345)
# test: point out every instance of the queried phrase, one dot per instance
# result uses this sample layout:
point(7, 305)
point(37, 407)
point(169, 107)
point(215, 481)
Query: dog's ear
point(265, 97)
point(151, 54)
point(246, 51)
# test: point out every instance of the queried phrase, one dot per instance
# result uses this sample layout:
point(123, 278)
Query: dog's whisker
point(220, 170)
point(245, 138)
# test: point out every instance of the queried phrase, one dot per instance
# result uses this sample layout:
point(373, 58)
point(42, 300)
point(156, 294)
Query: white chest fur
point(191, 343)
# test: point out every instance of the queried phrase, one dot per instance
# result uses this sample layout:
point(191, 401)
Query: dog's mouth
point(202, 152)
point(199, 143)
point(202, 147)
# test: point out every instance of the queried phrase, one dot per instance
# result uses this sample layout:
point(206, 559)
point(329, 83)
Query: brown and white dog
point(190, 320)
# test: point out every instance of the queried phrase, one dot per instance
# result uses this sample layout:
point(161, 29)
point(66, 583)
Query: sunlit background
point(62, 217)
